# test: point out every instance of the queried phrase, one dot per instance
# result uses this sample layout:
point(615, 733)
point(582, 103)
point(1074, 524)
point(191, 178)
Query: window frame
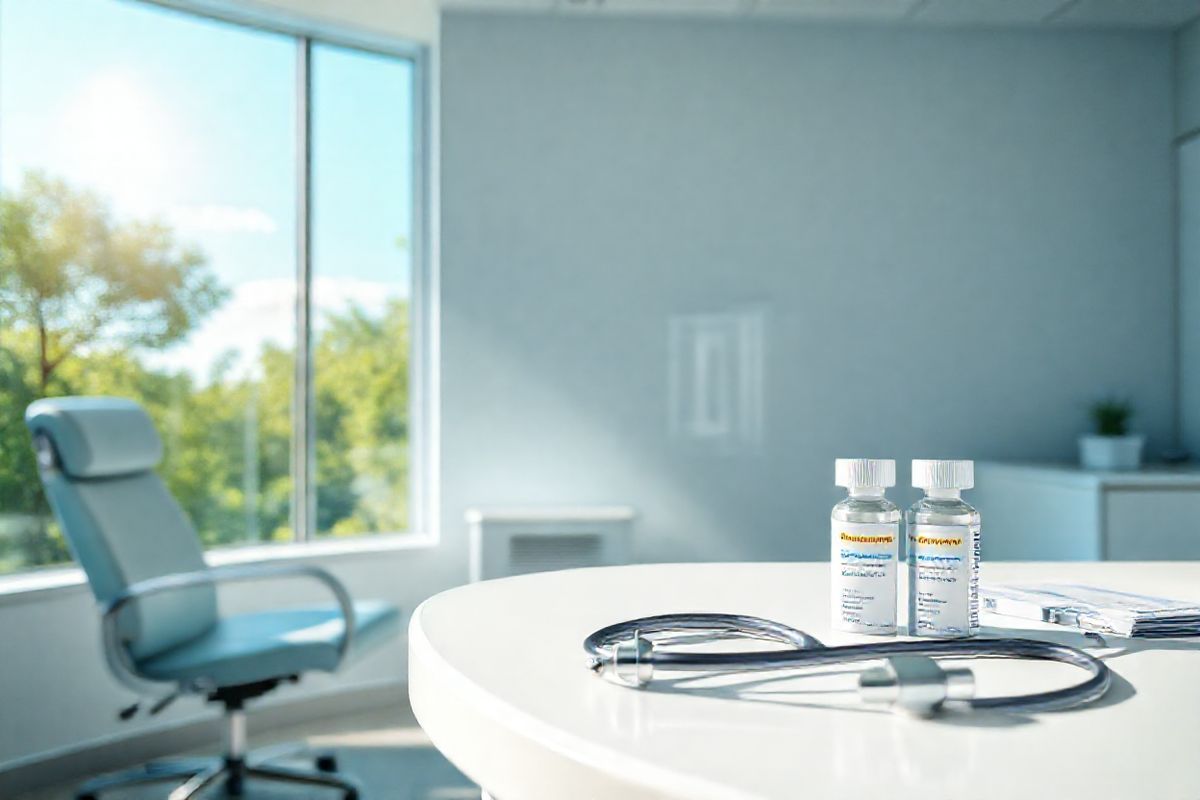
point(304, 459)
point(422, 529)
point(305, 34)
point(304, 504)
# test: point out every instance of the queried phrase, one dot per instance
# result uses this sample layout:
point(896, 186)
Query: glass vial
point(943, 551)
point(865, 531)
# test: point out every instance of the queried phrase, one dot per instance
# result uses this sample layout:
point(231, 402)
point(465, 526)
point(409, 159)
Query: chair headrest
point(96, 437)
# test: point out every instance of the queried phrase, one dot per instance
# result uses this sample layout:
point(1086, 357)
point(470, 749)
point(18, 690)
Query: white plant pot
point(1111, 452)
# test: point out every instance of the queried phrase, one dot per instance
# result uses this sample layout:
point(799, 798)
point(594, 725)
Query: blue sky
point(193, 122)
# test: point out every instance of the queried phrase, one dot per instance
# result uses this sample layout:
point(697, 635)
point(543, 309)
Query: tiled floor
point(384, 750)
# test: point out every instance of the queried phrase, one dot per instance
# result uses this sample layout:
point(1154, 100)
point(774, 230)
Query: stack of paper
point(1094, 609)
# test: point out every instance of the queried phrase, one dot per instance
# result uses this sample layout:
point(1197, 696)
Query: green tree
point(82, 298)
point(81, 280)
point(79, 292)
point(362, 421)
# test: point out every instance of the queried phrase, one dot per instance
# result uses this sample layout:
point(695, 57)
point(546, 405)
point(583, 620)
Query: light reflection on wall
point(715, 378)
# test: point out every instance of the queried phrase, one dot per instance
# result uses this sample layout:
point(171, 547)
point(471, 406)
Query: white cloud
point(264, 311)
point(221, 219)
point(335, 294)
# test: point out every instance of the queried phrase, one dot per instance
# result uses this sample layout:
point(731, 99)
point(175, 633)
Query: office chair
point(160, 619)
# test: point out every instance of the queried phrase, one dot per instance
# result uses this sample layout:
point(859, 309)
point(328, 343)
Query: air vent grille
point(538, 552)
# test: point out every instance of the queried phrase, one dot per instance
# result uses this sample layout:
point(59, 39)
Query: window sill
point(37, 584)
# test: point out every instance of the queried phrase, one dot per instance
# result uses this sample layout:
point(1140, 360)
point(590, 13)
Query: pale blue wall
point(1187, 78)
point(1187, 116)
point(1189, 293)
point(991, 209)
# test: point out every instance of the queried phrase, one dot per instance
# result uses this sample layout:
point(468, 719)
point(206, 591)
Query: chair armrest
point(118, 653)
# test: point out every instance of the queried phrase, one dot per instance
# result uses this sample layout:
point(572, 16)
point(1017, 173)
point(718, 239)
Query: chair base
point(197, 776)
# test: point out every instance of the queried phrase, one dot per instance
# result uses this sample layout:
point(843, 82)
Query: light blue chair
point(163, 631)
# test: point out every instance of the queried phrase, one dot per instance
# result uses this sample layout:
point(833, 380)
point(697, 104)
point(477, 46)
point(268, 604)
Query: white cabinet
point(1065, 513)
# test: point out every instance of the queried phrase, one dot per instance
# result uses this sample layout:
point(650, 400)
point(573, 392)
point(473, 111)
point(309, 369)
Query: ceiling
point(1160, 14)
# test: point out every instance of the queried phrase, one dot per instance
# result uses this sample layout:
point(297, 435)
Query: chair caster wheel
point(86, 797)
point(328, 763)
point(351, 794)
point(235, 786)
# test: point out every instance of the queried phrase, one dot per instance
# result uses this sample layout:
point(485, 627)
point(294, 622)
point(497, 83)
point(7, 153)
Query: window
point(222, 223)
point(362, 268)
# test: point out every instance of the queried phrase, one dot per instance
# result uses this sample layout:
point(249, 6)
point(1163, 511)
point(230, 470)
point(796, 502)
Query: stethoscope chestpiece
point(915, 685)
point(629, 662)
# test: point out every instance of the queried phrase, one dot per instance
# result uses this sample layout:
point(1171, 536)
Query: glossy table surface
point(498, 679)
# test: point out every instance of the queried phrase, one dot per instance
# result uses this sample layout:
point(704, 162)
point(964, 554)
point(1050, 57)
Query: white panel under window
point(518, 541)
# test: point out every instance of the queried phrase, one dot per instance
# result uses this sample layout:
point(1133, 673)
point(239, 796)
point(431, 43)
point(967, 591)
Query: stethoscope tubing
point(807, 651)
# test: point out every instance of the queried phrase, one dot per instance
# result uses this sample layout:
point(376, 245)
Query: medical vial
point(865, 546)
point(943, 551)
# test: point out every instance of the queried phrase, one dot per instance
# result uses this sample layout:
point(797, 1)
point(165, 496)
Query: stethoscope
point(910, 680)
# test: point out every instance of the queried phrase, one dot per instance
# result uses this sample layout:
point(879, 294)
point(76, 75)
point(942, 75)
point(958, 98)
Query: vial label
point(943, 562)
point(864, 576)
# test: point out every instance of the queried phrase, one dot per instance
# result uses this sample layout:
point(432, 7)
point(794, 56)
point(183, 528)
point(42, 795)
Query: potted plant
point(1111, 446)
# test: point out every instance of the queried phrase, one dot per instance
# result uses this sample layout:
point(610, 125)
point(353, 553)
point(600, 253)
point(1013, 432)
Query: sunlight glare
point(119, 140)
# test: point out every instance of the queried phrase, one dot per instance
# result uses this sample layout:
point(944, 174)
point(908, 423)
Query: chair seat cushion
point(271, 644)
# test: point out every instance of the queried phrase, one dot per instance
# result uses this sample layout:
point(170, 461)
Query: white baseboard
point(111, 753)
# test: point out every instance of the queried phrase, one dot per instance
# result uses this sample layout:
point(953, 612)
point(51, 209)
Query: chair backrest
point(96, 456)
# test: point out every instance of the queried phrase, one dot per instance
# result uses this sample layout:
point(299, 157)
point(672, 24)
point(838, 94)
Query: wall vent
point(518, 541)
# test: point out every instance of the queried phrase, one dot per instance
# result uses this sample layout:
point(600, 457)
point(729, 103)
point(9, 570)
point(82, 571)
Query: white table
point(497, 678)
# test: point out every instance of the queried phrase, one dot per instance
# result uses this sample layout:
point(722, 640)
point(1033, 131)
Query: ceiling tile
point(985, 12)
point(834, 9)
point(1130, 13)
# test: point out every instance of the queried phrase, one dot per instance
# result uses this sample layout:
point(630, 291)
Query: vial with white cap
point(865, 548)
point(943, 551)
